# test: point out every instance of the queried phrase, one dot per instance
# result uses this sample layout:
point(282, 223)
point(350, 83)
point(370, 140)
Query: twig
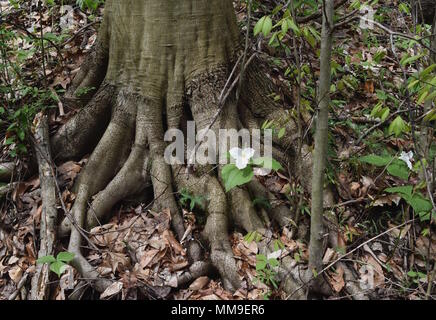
point(78, 32)
point(20, 285)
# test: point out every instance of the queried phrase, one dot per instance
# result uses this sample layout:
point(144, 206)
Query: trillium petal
point(407, 157)
point(235, 153)
point(249, 152)
point(241, 163)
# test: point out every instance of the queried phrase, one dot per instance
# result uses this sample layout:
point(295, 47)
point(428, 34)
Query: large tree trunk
point(157, 64)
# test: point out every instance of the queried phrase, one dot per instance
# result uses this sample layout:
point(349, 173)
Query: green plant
point(59, 264)
point(394, 165)
point(234, 176)
point(415, 199)
point(186, 198)
point(266, 266)
point(417, 276)
point(253, 236)
point(89, 4)
point(265, 270)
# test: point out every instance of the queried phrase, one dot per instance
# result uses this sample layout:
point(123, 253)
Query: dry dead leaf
point(15, 273)
point(337, 279)
point(329, 256)
point(112, 290)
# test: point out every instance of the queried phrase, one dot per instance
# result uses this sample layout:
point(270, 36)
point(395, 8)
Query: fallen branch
point(20, 286)
point(40, 280)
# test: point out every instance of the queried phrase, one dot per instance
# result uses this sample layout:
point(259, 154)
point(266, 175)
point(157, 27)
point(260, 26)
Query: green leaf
point(398, 126)
point(420, 204)
point(58, 267)
point(264, 25)
point(250, 237)
point(423, 96)
point(399, 169)
point(416, 201)
point(46, 259)
point(261, 262)
point(404, 190)
point(427, 71)
point(267, 26)
point(233, 177)
point(259, 26)
point(267, 163)
point(431, 96)
point(431, 116)
point(291, 24)
point(385, 114)
point(282, 133)
point(273, 263)
point(409, 60)
point(412, 274)
point(65, 256)
point(376, 160)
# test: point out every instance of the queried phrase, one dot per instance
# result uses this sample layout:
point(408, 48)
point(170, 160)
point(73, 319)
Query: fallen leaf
point(15, 274)
point(112, 290)
point(337, 279)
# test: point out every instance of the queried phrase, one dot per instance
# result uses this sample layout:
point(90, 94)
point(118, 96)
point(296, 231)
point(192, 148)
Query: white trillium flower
point(242, 156)
point(407, 158)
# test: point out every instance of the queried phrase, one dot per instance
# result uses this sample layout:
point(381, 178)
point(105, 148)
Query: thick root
point(93, 70)
point(216, 229)
point(81, 134)
point(130, 180)
point(277, 210)
point(258, 95)
point(106, 158)
point(6, 171)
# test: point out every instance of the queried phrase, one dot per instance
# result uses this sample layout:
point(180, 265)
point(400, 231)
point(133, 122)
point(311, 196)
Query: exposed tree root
point(82, 133)
point(6, 171)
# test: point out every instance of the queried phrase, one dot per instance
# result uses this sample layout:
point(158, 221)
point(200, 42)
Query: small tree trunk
point(321, 135)
point(426, 133)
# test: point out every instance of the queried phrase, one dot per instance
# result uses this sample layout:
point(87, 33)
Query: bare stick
point(40, 289)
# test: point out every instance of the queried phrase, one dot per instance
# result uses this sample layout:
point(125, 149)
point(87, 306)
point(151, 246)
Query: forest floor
point(138, 251)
